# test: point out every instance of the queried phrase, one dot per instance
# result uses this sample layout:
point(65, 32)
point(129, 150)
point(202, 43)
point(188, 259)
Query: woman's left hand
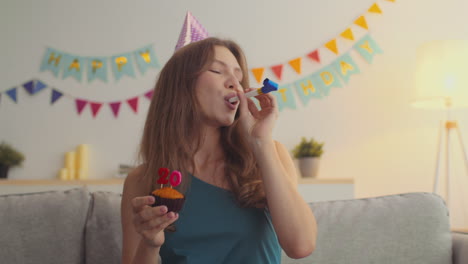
point(258, 124)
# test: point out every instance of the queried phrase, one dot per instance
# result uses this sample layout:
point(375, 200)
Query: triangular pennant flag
point(348, 34)
point(55, 96)
point(133, 102)
point(115, 108)
point(375, 9)
point(296, 64)
point(361, 21)
point(95, 108)
point(331, 45)
point(258, 74)
point(80, 105)
point(149, 94)
point(39, 86)
point(12, 94)
point(314, 55)
point(29, 87)
point(277, 70)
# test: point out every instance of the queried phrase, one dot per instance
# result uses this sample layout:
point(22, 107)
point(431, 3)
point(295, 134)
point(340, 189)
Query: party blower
point(268, 86)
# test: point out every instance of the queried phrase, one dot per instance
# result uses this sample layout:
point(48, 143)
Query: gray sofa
point(77, 226)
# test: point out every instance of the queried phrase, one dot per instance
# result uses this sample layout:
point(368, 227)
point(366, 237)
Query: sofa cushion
point(103, 229)
point(407, 228)
point(45, 227)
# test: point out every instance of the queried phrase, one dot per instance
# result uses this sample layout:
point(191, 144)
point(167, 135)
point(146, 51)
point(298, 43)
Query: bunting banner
point(65, 65)
point(316, 85)
point(34, 86)
point(332, 45)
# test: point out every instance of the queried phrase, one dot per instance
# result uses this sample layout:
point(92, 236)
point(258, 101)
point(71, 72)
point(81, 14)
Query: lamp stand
point(449, 126)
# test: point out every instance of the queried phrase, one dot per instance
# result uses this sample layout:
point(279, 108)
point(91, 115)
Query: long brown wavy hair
point(172, 134)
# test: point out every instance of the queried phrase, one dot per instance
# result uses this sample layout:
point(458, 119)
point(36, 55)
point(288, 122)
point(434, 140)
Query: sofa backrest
point(45, 227)
point(103, 237)
point(408, 228)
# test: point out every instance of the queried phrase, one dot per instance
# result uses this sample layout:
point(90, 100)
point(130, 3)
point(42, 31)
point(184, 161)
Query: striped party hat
point(192, 31)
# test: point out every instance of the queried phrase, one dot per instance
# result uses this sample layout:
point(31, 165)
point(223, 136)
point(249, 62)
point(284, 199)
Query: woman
point(240, 185)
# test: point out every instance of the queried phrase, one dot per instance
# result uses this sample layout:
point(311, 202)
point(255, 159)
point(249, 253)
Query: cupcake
point(169, 197)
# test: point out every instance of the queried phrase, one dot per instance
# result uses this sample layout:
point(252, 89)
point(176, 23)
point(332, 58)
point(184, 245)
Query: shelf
point(325, 181)
point(111, 181)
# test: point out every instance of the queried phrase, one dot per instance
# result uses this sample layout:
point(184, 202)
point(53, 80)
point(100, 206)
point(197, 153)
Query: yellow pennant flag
point(258, 73)
point(361, 21)
point(348, 34)
point(331, 45)
point(296, 64)
point(375, 9)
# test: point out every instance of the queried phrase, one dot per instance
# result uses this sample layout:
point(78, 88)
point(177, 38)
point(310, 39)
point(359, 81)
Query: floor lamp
point(442, 82)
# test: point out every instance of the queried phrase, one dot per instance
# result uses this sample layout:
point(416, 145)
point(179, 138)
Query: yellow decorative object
point(82, 161)
point(74, 65)
point(331, 45)
point(361, 21)
point(296, 64)
point(348, 34)
point(63, 174)
point(82, 157)
point(70, 164)
point(146, 56)
point(120, 61)
point(55, 59)
point(375, 9)
point(96, 64)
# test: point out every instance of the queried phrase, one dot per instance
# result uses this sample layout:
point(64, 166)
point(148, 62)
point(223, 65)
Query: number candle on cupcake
point(168, 196)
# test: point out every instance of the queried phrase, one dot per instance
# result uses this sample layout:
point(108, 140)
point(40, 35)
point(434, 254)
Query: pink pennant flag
point(115, 108)
point(192, 31)
point(277, 70)
point(95, 108)
point(133, 102)
point(149, 94)
point(80, 105)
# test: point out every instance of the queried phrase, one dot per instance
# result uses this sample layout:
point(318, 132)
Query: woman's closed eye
point(215, 71)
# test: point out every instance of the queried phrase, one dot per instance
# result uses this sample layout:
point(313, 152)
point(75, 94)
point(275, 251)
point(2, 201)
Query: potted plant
point(9, 157)
point(308, 153)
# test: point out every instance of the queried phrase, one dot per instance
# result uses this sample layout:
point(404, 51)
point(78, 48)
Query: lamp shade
point(441, 78)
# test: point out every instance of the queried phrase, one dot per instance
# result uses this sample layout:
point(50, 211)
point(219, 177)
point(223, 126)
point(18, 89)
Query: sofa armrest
point(460, 247)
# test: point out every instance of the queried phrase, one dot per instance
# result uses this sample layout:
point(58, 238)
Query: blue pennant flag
point(34, 86)
point(325, 79)
point(52, 61)
point(345, 67)
point(12, 94)
point(367, 47)
point(96, 68)
point(55, 96)
point(29, 86)
point(145, 58)
point(72, 66)
point(122, 65)
point(307, 90)
point(285, 98)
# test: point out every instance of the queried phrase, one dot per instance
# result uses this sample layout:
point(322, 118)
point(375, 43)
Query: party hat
point(192, 31)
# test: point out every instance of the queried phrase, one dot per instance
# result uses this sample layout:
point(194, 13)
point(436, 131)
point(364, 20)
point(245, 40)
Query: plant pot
point(4, 171)
point(308, 166)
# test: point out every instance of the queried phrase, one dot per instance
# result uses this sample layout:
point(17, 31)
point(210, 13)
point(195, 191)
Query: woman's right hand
point(149, 221)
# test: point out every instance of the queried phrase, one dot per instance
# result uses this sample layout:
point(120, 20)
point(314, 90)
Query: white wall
point(370, 131)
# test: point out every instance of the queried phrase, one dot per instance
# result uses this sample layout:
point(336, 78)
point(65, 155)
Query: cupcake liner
point(173, 205)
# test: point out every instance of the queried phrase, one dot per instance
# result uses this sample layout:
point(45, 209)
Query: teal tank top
point(212, 229)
